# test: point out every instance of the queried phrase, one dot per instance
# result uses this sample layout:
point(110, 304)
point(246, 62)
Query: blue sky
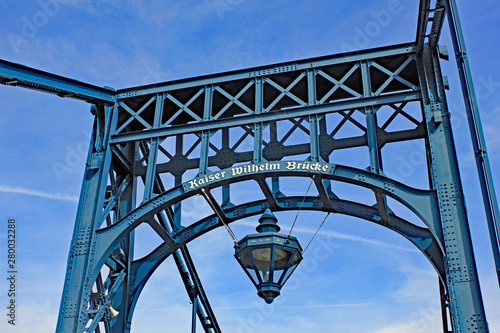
point(355, 277)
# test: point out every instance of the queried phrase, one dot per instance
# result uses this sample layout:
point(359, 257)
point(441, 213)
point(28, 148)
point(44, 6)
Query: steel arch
point(422, 202)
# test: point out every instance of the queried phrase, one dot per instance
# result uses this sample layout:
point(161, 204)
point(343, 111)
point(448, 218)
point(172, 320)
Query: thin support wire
point(298, 211)
point(316, 232)
point(231, 233)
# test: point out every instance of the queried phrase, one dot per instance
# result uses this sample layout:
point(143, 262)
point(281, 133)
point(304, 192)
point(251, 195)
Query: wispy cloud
point(340, 235)
point(36, 193)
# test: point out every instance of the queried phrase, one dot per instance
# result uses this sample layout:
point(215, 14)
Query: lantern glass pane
point(246, 262)
point(281, 259)
point(253, 275)
point(244, 259)
point(262, 259)
point(293, 264)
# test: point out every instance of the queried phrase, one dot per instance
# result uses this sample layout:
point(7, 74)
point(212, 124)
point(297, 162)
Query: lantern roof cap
point(267, 222)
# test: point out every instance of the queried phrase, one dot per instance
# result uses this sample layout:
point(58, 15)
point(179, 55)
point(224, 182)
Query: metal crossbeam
point(281, 68)
point(267, 117)
point(17, 75)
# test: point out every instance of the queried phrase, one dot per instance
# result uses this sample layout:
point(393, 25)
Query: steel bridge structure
point(154, 146)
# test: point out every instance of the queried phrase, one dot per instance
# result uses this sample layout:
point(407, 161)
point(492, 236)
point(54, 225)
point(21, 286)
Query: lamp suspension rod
point(315, 233)
point(231, 233)
point(298, 211)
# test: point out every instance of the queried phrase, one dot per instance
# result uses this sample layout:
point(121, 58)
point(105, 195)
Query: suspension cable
point(298, 211)
point(316, 232)
point(231, 233)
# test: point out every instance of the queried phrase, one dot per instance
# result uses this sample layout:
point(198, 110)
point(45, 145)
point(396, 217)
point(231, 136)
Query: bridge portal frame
point(224, 111)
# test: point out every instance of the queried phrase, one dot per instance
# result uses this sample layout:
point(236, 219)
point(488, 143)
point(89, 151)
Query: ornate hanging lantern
point(268, 257)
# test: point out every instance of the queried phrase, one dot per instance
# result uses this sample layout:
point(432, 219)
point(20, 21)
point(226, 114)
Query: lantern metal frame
point(268, 238)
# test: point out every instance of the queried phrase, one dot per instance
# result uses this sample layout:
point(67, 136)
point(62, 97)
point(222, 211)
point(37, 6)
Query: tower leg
point(465, 301)
point(73, 314)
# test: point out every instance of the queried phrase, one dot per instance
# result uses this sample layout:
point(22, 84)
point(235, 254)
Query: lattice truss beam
point(190, 126)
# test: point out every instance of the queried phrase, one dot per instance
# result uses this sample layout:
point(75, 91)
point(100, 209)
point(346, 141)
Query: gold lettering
point(274, 166)
point(237, 171)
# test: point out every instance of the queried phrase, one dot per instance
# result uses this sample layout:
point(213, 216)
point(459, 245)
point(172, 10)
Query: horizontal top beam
point(13, 74)
point(267, 70)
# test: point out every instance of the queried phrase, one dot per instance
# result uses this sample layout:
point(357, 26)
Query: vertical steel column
point(371, 134)
point(179, 144)
point(476, 132)
point(76, 293)
point(226, 190)
point(258, 127)
point(153, 150)
point(205, 135)
point(273, 137)
point(466, 304)
point(126, 203)
point(313, 119)
point(257, 142)
point(371, 138)
point(371, 121)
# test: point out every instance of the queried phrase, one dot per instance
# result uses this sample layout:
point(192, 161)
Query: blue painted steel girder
point(422, 202)
point(17, 75)
point(466, 304)
point(475, 128)
point(266, 117)
point(245, 74)
point(252, 96)
point(76, 293)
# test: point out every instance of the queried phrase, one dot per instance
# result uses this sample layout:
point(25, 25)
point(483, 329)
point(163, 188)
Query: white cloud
point(420, 285)
point(36, 193)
